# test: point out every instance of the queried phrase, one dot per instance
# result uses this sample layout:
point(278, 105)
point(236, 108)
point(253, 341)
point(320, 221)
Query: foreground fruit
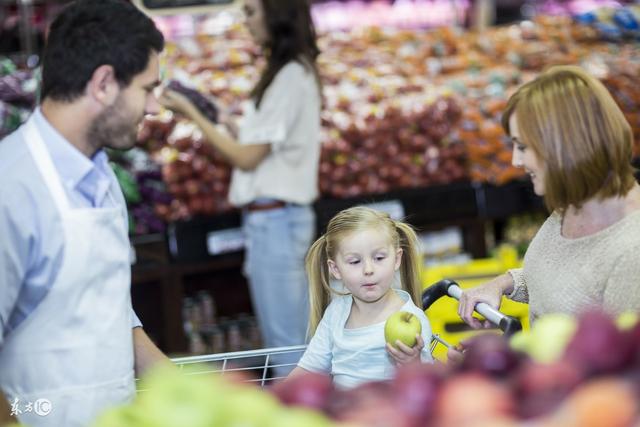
point(547, 339)
point(472, 398)
point(606, 402)
point(311, 390)
point(402, 326)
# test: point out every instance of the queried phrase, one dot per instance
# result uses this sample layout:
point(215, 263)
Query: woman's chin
point(538, 189)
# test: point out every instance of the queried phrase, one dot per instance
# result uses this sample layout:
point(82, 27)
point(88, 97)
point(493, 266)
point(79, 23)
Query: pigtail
point(317, 266)
point(411, 262)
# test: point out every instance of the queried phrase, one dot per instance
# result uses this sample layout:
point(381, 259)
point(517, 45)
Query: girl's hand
point(402, 354)
point(177, 102)
point(455, 353)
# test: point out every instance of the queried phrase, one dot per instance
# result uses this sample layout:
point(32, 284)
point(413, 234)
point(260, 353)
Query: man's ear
point(333, 269)
point(103, 86)
point(398, 259)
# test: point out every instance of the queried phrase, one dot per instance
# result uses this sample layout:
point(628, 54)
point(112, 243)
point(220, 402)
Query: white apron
point(76, 349)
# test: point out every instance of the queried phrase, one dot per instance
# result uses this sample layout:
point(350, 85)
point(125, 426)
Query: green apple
point(403, 326)
point(547, 339)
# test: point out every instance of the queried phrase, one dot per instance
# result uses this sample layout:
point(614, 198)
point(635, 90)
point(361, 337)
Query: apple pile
point(401, 108)
point(390, 150)
point(592, 380)
point(624, 87)
point(169, 398)
point(195, 174)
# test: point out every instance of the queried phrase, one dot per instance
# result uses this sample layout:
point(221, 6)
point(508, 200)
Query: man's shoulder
point(20, 176)
point(15, 159)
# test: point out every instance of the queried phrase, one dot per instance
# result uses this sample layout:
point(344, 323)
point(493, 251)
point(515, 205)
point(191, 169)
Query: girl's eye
point(354, 262)
point(380, 257)
point(520, 147)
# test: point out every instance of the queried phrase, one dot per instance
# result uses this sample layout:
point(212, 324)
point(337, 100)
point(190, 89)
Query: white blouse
point(289, 120)
point(354, 356)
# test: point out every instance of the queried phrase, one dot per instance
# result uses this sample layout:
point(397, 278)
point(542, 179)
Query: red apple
point(472, 397)
point(311, 390)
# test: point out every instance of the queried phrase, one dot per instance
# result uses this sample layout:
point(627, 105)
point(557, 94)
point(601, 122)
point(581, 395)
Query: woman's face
point(524, 157)
point(255, 21)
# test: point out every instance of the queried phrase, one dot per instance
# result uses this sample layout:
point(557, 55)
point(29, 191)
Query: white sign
point(225, 241)
point(393, 207)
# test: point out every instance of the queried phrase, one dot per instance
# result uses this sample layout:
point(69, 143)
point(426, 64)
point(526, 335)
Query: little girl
point(362, 248)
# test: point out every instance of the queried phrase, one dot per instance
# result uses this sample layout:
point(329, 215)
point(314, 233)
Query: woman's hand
point(402, 354)
point(177, 102)
point(490, 293)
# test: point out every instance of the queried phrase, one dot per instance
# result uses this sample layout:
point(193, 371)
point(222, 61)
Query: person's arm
point(490, 293)
point(318, 355)
point(296, 372)
point(5, 411)
point(147, 354)
point(17, 222)
point(244, 157)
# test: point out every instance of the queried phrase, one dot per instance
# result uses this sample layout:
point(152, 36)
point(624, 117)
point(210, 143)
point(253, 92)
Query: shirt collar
point(77, 171)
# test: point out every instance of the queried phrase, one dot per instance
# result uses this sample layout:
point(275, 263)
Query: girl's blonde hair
point(346, 222)
point(574, 126)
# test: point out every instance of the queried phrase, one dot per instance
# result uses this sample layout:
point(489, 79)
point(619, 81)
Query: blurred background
point(413, 92)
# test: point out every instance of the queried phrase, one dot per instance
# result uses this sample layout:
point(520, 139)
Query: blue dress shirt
point(31, 236)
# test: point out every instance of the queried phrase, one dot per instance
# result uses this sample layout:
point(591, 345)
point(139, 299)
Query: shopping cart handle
point(508, 324)
point(436, 291)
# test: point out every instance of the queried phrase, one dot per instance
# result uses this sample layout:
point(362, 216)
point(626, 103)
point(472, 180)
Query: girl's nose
point(368, 267)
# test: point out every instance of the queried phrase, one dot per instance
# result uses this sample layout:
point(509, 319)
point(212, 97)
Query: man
point(69, 340)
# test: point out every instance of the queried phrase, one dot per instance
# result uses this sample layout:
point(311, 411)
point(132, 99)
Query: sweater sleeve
point(621, 292)
point(520, 292)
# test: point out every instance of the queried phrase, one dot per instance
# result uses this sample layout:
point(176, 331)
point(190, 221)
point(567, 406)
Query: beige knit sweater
point(561, 275)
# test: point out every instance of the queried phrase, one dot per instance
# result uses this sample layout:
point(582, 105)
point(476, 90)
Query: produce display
point(592, 380)
point(168, 398)
point(401, 108)
point(18, 92)
point(613, 23)
point(143, 188)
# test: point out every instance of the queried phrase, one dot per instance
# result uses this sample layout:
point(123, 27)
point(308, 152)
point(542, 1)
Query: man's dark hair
point(292, 37)
point(91, 33)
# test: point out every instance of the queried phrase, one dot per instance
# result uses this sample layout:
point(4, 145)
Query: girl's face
point(255, 21)
point(366, 263)
point(524, 157)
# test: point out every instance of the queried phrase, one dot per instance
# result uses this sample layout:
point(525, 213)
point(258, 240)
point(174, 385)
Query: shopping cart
point(258, 366)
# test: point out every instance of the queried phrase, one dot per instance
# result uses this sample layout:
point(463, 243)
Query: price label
point(225, 241)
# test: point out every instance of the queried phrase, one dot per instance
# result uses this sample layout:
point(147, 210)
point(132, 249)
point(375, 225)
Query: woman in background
point(275, 165)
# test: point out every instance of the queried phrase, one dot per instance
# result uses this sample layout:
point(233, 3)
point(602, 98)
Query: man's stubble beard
point(113, 128)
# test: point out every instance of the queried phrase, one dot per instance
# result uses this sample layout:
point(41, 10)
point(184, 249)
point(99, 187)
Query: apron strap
point(44, 163)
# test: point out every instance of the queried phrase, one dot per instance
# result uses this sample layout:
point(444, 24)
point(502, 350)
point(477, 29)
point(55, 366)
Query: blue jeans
point(276, 244)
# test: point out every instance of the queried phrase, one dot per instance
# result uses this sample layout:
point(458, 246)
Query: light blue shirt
point(31, 236)
point(358, 355)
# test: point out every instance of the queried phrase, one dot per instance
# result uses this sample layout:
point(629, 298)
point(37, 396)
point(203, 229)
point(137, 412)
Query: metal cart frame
point(259, 363)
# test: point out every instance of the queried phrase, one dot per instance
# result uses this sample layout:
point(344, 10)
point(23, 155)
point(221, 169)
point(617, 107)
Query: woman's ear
point(333, 269)
point(398, 259)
